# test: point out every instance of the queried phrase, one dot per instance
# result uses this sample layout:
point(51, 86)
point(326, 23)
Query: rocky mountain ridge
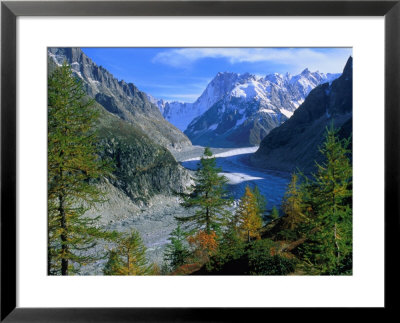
point(294, 144)
point(240, 109)
point(143, 167)
point(122, 99)
point(141, 191)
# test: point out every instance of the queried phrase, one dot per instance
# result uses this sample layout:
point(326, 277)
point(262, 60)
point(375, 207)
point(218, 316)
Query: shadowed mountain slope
point(295, 144)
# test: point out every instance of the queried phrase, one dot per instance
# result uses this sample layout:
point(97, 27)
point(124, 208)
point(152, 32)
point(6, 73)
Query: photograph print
point(199, 161)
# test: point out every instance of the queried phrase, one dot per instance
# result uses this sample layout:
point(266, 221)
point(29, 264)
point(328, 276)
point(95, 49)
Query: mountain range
point(295, 144)
point(286, 115)
point(241, 109)
point(122, 99)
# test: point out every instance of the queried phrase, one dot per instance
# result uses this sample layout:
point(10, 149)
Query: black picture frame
point(10, 10)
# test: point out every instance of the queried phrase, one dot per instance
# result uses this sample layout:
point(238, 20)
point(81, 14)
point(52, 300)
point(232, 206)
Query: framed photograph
point(194, 152)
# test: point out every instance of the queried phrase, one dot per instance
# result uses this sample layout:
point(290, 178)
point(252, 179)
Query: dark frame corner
point(10, 10)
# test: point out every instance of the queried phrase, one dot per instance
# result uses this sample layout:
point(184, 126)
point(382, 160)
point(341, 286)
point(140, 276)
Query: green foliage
point(255, 258)
point(318, 212)
point(74, 166)
point(334, 176)
point(292, 205)
point(165, 269)
point(113, 264)
point(262, 261)
point(274, 213)
point(271, 265)
point(261, 201)
point(129, 257)
point(177, 252)
point(328, 205)
point(231, 249)
point(209, 196)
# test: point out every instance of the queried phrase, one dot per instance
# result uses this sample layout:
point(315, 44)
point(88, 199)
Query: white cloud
point(331, 60)
point(190, 97)
point(188, 87)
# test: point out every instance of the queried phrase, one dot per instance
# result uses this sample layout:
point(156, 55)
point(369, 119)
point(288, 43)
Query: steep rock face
point(181, 114)
point(243, 125)
point(142, 167)
point(245, 108)
point(120, 98)
point(295, 143)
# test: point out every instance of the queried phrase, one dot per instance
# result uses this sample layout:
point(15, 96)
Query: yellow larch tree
point(249, 221)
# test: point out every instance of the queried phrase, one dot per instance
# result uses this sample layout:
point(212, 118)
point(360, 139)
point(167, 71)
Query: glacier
point(239, 173)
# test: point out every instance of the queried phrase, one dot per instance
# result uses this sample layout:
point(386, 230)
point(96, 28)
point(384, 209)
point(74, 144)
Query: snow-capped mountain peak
point(306, 71)
point(277, 94)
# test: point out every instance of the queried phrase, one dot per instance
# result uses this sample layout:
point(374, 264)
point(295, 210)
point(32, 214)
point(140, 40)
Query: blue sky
point(182, 74)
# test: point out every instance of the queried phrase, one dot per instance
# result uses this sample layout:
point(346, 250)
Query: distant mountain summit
point(295, 143)
point(122, 99)
point(181, 114)
point(240, 110)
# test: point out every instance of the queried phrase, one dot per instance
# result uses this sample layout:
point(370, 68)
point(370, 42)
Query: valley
point(145, 172)
point(156, 220)
point(236, 168)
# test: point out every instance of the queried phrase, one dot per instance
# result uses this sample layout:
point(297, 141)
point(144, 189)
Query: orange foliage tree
point(204, 244)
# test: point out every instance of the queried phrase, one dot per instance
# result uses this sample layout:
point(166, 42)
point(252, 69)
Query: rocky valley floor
point(156, 220)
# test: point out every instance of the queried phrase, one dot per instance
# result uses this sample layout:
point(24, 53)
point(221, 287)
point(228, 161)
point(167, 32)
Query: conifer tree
point(177, 252)
point(292, 204)
point(330, 244)
point(113, 264)
point(248, 216)
point(274, 213)
point(129, 257)
point(209, 196)
point(260, 200)
point(73, 165)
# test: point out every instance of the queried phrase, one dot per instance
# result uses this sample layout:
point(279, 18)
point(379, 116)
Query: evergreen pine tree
point(274, 213)
point(73, 165)
point(177, 252)
point(209, 196)
point(292, 205)
point(129, 257)
point(330, 245)
point(113, 264)
point(260, 200)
